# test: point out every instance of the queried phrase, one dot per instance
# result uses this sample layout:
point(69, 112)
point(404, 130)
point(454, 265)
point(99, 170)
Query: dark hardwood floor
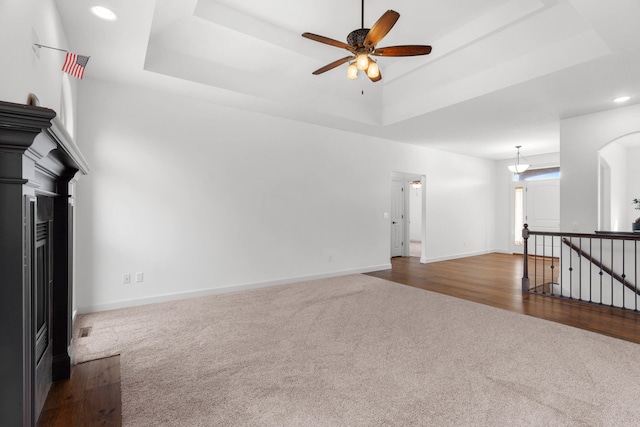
point(495, 280)
point(92, 396)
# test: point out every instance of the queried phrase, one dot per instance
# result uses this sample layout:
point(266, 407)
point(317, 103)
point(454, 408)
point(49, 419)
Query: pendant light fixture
point(520, 164)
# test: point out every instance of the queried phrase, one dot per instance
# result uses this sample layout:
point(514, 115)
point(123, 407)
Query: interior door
point(542, 201)
point(543, 205)
point(397, 217)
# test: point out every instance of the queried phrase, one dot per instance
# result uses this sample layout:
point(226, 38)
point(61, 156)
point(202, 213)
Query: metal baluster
point(624, 290)
point(635, 270)
point(561, 275)
point(535, 264)
point(552, 267)
point(544, 247)
point(590, 269)
point(525, 269)
point(600, 273)
point(570, 269)
point(580, 272)
point(611, 263)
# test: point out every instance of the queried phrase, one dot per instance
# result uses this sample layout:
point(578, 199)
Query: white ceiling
point(502, 72)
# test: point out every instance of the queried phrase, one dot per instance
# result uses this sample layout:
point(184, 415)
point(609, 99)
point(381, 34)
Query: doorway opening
point(408, 212)
point(618, 183)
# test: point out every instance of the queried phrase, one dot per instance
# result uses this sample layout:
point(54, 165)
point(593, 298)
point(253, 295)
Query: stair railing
point(600, 268)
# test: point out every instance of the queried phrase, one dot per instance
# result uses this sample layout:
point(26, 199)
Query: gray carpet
point(359, 351)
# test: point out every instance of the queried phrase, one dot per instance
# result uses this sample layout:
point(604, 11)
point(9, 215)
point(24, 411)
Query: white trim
point(59, 134)
point(464, 255)
point(423, 220)
point(407, 178)
point(223, 290)
point(500, 251)
point(71, 352)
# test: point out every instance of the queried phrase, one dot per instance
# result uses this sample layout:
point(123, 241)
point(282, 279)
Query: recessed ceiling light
point(104, 13)
point(621, 99)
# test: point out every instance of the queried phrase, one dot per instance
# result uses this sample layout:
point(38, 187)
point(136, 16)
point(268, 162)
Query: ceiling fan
point(362, 43)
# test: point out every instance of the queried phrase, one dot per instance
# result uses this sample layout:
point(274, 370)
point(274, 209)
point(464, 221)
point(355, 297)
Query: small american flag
point(74, 65)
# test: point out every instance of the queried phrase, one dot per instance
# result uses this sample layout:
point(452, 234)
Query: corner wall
point(22, 71)
point(633, 184)
point(202, 198)
point(580, 139)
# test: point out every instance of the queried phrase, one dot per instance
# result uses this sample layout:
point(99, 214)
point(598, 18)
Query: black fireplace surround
point(38, 164)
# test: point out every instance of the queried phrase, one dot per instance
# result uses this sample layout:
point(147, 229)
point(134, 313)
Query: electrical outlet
point(139, 277)
point(126, 279)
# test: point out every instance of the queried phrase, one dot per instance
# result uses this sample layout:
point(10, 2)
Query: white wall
point(633, 183)
point(615, 156)
point(23, 22)
point(580, 139)
point(22, 72)
point(202, 197)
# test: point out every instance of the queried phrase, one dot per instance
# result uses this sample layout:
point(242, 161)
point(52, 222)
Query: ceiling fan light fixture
point(362, 61)
point(373, 71)
point(352, 71)
point(362, 42)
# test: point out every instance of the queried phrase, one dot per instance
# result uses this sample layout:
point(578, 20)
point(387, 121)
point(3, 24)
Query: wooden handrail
point(601, 266)
point(599, 235)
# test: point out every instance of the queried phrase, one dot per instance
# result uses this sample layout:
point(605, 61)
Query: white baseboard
point(458, 256)
point(222, 290)
point(500, 251)
point(72, 353)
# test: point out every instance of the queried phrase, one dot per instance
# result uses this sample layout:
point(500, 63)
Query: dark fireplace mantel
point(38, 162)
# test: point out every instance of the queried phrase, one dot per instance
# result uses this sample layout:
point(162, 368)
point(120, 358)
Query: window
point(535, 174)
point(519, 215)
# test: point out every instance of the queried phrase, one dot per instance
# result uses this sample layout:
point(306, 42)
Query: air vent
point(41, 231)
point(84, 332)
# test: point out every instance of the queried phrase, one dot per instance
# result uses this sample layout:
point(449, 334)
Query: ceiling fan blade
point(327, 40)
point(381, 28)
point(375, 79)
point(333, 65)
point(408, 50)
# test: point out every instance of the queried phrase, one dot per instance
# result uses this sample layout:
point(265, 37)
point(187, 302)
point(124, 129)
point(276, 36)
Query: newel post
point(525, 269)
